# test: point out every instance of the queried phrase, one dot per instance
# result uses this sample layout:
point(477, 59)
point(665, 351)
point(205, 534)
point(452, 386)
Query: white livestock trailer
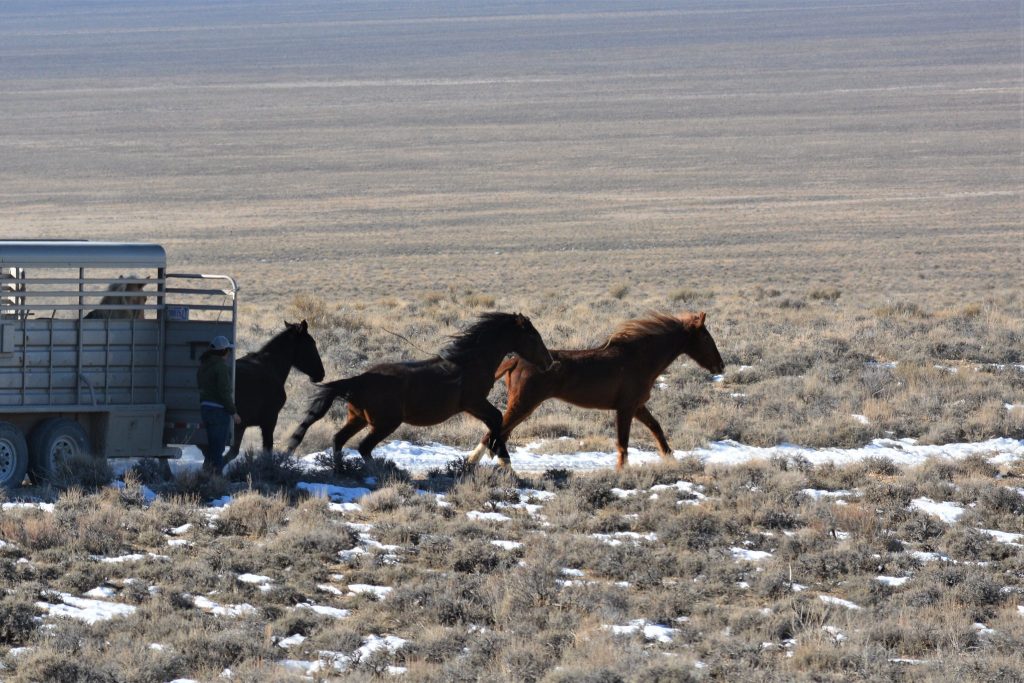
point(99, 347)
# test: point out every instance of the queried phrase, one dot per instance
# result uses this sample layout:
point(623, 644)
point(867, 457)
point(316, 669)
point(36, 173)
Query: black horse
point(428, 392)
point(260, 378)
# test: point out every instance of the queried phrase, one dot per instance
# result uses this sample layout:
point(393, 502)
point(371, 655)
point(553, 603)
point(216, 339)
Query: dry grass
point(590, 557)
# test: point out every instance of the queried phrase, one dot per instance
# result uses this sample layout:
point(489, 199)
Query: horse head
point(306, 357)
point(700, 346)
point(529, 344)
point(139, 299)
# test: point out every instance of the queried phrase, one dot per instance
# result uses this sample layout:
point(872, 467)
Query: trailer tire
point(53, 445)
point(13, 456)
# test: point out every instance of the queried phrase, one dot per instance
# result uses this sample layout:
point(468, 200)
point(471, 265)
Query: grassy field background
point(551, 150)
point(811, 174)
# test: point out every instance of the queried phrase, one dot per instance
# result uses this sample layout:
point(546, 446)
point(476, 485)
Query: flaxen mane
point(639, 328)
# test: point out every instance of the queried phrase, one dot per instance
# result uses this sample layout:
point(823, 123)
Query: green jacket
point(214, 380)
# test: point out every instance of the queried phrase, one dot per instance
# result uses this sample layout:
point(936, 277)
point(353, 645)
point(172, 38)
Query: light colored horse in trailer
point(122, 293)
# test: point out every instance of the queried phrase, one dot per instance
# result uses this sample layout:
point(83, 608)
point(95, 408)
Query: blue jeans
point(217, 422)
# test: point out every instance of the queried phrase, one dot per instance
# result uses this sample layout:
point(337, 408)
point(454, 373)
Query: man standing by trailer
point(216, 404)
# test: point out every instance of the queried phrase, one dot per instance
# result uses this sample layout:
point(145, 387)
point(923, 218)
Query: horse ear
point(700, 318)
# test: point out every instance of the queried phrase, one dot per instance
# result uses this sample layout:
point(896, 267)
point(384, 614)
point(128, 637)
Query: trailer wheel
point(13, 456)
point(54, 445)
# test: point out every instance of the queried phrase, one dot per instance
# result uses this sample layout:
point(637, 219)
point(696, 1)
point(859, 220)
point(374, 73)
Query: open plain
point(839, 186)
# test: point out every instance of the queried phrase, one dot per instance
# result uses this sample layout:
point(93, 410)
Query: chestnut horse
point(615, 376)
point(428, 392)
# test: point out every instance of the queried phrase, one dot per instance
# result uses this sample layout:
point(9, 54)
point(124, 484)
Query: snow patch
point(344, 507)
point(905, 452)
point(148, 495)
point(261, 582)
point(894, 581)
point(337, 494)
point(925, 556)
point(818, 494)
point(650, 631)
point(948, 512)
point(507, 545)
point(488, 516)
point(618, 537)
point(133, 557)
point(833, 600)
point(84, 609)
point(1004, 536)
point(378, 592)
point(324, 610)
point(339, 661)
point(45, 507)
point(291, 641)
point(749, 555)
point(219, 610)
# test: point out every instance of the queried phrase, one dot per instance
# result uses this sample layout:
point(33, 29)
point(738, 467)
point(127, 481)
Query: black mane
point(279, 340)
point(488, 326)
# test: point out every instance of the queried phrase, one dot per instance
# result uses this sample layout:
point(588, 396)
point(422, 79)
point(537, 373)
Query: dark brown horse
point(615, 376)
point(260, 378)
point(428, 392)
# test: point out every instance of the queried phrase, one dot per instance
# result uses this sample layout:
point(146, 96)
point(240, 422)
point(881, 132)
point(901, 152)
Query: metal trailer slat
point(11, 382)
point(43, 398)
point(64, 334)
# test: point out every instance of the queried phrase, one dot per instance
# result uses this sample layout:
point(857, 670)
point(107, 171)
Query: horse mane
point(124, 299)
point(486, 327)
point(278, 340)
point(653, 324)
point(125, 286)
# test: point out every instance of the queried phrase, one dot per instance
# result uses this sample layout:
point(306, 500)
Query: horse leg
point(623, 420)
point(354, 423)
point(649, 421)
point(521, 405)
point(267, 432)
point(236, 443)
point(378, 432)
point(478, 452)
point(491, 417)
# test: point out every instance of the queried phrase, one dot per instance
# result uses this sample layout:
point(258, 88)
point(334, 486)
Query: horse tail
point(322, 401)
